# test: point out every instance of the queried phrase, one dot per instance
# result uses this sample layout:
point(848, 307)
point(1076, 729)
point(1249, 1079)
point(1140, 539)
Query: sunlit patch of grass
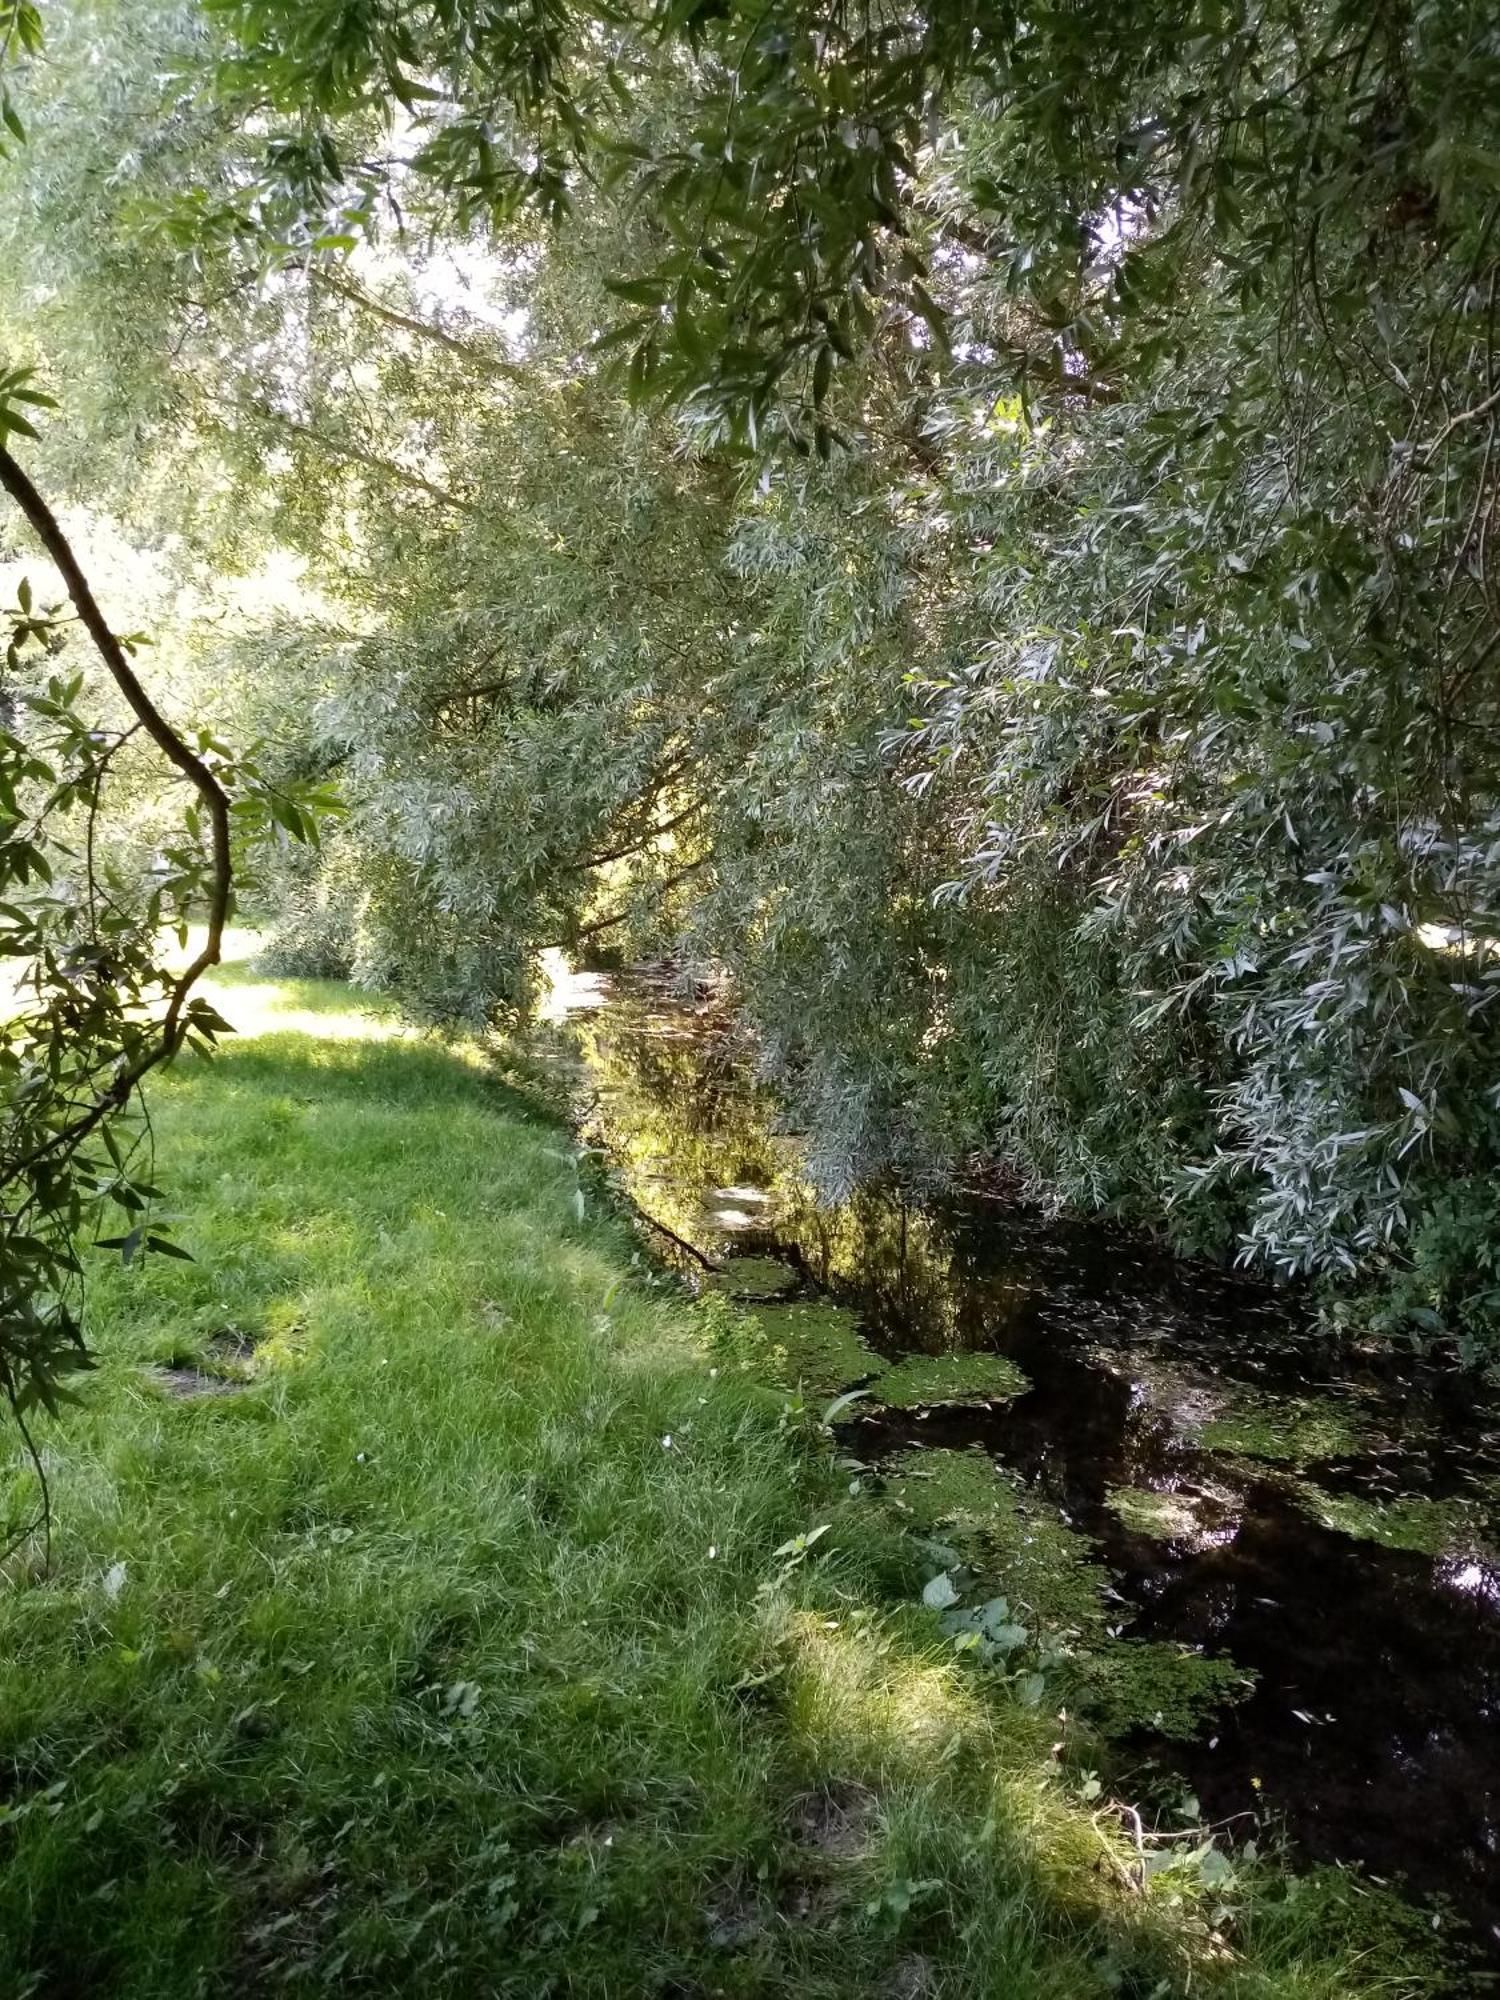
point(479, 1642)
point(884, 1712)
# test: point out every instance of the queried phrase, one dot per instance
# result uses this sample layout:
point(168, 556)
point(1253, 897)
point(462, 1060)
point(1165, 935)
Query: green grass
point(470, 1649)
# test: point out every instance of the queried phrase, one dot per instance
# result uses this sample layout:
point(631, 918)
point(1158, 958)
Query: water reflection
point(1328, 1521)
point(1473, 1579)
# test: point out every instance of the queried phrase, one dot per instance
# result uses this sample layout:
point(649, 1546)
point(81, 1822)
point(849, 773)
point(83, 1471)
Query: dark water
point(1373, 1734)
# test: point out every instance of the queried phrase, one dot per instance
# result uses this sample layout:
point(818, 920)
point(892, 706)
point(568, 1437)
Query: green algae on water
point(1045, 1568)
point(1149, 1684)
point(1054, 1584)
point(754, 1278)
point(1292, 1430)
point(1413, 1521)
point(922, 1379)
point(814, 1346)
point(1165, 1517)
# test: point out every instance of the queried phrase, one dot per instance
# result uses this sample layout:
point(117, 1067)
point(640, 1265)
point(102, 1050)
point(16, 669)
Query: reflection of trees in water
point(677, 1115)
point(695, 1141)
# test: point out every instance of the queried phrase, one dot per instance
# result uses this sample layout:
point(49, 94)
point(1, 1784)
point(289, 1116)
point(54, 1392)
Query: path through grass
point(458, 1652)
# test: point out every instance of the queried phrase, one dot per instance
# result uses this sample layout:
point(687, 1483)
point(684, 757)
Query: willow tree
point(95, 1000)
point(1047, 651)
point(1193, 312)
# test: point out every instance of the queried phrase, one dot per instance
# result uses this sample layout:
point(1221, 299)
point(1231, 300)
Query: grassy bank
point(469, 1642)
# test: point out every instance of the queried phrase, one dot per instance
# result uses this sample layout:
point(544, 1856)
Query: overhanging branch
point(476, 357)
point(44, 524)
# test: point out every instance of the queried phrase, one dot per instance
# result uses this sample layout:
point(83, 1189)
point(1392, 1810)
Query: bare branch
point(356, 454)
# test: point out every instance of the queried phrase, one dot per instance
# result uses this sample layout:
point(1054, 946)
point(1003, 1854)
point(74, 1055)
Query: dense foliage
point(977, 524)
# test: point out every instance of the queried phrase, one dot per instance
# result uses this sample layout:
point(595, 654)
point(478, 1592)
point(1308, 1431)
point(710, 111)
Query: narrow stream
point(1330, 1523)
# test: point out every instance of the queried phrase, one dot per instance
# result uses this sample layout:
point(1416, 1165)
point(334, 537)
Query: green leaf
point(165, 1247)
point(938, 1593)
point(126, 1245)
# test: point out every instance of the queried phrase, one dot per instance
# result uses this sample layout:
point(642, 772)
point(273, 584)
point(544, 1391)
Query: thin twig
point(1471, 416)
point(409, 323)
point(44, 1519)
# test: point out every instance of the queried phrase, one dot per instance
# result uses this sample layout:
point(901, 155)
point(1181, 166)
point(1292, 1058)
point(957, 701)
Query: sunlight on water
point(567, 991)
point(1474, 1579)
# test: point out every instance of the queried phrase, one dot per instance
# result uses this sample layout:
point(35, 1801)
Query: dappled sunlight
point(328, 1234)
point(273, 1008)
point(854, 1694)
point(806, 1303)
point(876, 1708)
point(287, 1347)
point(256, 1004)
point(322, 1008)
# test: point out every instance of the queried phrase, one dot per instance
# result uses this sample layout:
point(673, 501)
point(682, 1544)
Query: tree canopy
point(974, 523)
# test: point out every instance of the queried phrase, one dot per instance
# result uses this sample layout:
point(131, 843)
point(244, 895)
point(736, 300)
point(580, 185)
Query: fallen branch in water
point(672, 1237)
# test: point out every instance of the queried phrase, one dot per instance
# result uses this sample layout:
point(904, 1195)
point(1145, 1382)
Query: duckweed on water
point(1051, 1582)
point(951, 1489)
point(1133, 1684)
point(1429, 1527)
point(1043, 1566)
point(1295, 1430)
point(814, 1346)
point(951, 1378)
point(753, 1278)
point(1165, 1517)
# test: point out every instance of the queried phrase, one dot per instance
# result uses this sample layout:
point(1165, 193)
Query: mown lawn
point(458, 1651)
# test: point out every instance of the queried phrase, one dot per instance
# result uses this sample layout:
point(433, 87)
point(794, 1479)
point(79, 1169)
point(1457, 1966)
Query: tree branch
point(639, 841)
point(409, 323)
point(1481, 409)
point(45, 525)
point(623, 916)
point(672, 1237)
point(354, 452)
